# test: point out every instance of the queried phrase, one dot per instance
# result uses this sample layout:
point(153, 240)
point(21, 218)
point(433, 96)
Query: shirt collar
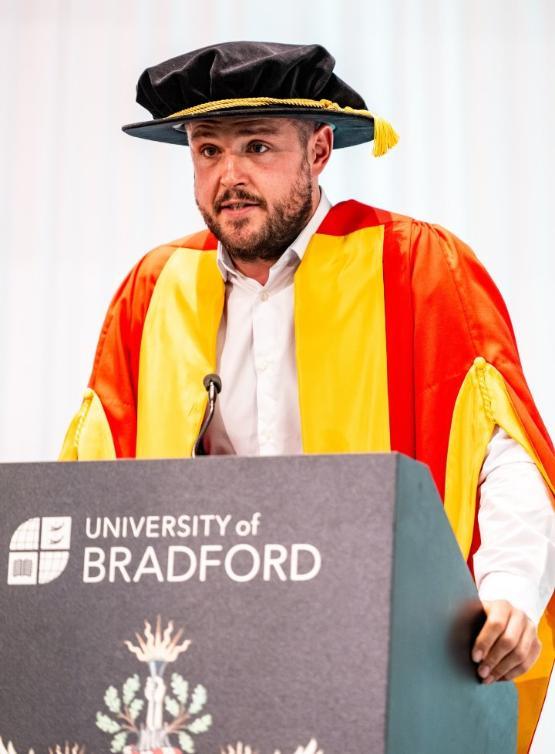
point(298, 247)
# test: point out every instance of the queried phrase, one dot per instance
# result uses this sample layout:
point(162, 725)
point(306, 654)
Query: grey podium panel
point(324, 599)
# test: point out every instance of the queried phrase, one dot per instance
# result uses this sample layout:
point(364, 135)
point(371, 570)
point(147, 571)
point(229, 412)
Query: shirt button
point(264, 296)
point(262, 364)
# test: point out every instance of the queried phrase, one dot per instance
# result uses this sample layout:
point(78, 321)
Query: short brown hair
point(305, 129)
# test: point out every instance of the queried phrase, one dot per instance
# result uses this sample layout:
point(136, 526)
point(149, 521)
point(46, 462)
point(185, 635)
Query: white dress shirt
point(257, 413)
point(516, 557)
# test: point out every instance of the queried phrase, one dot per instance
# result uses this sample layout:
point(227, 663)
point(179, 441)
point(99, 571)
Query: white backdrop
point(468, 85)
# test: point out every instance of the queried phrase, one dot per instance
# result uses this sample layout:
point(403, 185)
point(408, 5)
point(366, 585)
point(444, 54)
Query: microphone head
point(215, 379)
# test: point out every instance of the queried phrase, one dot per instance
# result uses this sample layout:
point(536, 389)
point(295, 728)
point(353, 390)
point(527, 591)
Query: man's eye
point(208, 151)
point(258, 148)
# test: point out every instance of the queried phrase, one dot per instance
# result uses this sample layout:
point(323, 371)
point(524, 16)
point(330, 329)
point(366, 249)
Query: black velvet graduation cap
point(255, 78)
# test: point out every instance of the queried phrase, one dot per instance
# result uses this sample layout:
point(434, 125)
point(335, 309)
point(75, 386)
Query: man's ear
point(320, 147)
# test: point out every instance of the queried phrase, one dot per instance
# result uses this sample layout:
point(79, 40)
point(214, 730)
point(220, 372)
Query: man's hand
point(508, 644)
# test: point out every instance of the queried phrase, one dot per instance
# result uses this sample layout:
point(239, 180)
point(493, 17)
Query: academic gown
point(402, 342)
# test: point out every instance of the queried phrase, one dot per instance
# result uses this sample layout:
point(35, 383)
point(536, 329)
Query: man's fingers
point(514, 673)
point(520, 669)
point(522, 656)
point(506, 644)
point(498, 614)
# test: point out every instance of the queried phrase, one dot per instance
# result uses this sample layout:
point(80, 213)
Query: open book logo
point(39, 550)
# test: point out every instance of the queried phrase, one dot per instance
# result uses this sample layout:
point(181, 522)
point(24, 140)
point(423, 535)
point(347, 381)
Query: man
point(334, 329)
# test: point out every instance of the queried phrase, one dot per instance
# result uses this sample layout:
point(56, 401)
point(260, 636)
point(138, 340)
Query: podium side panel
point(436, 702)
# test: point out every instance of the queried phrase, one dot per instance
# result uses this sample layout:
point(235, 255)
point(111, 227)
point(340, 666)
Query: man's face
point(254, 184)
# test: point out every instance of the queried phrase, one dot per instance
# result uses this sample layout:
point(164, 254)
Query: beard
point(283, 222)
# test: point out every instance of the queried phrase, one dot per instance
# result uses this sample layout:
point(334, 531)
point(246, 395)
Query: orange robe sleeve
point(468, 378)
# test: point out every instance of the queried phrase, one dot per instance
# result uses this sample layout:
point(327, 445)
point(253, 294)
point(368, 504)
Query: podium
point(293, 604)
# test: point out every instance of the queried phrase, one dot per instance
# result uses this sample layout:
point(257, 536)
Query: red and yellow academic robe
point(403, 343)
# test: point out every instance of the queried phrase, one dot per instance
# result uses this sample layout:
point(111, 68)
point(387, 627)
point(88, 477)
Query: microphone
point(213, 385)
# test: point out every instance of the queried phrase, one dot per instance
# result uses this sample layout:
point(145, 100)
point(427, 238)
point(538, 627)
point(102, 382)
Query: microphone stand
point(213, 385)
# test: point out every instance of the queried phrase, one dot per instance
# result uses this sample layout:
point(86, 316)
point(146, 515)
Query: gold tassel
point(385, 136)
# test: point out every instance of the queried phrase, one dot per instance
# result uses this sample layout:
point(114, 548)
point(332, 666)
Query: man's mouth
point(237, 206)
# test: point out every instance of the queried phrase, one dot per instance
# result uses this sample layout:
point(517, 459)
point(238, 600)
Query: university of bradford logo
point(39, 550)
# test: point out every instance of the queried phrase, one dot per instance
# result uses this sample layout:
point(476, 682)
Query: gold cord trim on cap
point(385, 136)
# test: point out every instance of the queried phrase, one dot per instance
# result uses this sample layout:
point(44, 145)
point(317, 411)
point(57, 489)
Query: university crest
point(158, 710)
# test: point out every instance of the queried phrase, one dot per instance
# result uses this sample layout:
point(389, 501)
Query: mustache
point(239, 195)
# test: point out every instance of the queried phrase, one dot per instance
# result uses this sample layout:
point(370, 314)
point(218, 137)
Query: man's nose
point(233, 173)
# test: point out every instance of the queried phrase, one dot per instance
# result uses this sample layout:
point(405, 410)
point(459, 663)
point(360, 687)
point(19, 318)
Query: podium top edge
point(392, 456)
